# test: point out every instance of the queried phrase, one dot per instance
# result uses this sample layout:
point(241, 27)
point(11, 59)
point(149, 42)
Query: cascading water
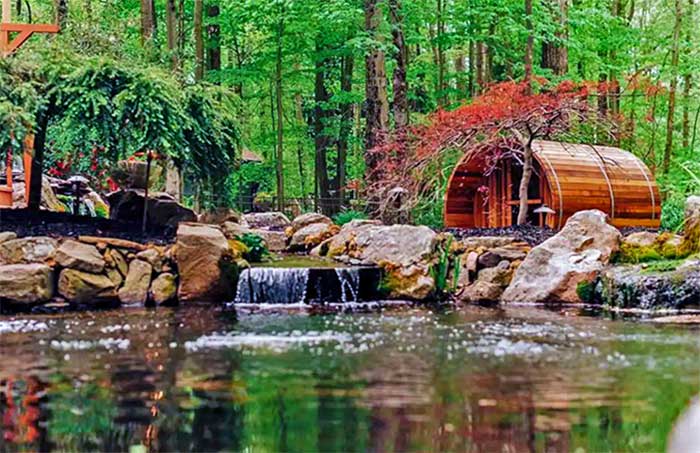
point(272, 286)
point(307, 285)
point(349, 284)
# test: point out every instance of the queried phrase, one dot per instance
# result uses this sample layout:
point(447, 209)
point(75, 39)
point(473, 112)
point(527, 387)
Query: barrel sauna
point(567, 178)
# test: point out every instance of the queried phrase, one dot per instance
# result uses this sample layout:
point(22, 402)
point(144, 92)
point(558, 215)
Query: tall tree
point(675, 50)
point(400, 86)
point(61, 12)
point(198, 40)
point(148, 20)
point(321, 116)
point(555, 53)
point(377, 105)
point(529, 46)
point(280, 114)
point(172, 29)
point(213, 39)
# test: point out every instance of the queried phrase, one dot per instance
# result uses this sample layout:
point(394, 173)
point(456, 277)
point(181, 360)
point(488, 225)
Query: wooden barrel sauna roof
point(574, 177)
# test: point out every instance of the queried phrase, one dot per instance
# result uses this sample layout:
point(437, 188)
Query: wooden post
point(6, 18)
point(145, 195)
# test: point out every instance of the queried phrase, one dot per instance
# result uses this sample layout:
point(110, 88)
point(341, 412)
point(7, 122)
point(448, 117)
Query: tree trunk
point(672, 87)
point(321, 138)
point(461, 69)
point(346, 117)
point(687, 85)
point(171, 23)
point(529, 47)
point(555, 54)
point(280, 114)
point(214, 40)
point(37, 173)
point(400, 104)
point(198, 40)
point(148, 21)
point(61, 12)
point(525, 183)
point(377, 110)
point(442, 88)
point(298, 105)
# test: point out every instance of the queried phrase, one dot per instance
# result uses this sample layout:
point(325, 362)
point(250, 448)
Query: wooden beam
point(24, 32)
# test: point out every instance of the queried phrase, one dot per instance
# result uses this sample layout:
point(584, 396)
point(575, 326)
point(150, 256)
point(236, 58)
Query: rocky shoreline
point(588, 261)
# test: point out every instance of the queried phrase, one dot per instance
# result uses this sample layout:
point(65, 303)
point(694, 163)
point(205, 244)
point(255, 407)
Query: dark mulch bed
point(58, 224)
point(533, 235)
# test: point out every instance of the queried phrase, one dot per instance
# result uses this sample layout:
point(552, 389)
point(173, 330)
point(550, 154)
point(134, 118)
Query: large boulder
point(406, 254)
point(555, 270)
point(26, 283)
point(220, 215)
point(80, 256)
point(305, 220)
point(163, 209)
point(137, 283)
point(691, 225)
point(28, 250)
point(275, 241)
point(654, 286)
point(84, 287)
point(202, 256)
point(310, 236)
point(268, 220)
point(7, 236)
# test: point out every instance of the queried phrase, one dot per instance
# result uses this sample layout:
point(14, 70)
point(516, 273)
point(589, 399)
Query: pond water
point(476, 379)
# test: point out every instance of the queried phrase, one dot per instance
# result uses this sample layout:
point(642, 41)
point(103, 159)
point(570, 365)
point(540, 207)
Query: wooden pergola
point(12, 36)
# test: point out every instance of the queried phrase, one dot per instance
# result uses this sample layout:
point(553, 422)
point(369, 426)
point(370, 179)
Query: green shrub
point(257, 250)
point(346, 216)
point(672, 212)
point(586, 291)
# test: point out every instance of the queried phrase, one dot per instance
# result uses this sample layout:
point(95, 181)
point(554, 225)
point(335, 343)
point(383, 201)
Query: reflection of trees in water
point(23, 413)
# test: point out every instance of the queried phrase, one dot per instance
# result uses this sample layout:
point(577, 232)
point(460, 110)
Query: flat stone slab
point(113, 242)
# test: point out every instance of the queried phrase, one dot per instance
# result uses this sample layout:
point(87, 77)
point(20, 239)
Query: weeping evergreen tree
point(89, 109)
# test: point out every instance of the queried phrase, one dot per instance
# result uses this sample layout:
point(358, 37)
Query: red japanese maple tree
point(502, 122)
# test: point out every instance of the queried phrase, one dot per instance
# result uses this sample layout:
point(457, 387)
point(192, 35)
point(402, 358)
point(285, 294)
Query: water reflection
point(474, 380)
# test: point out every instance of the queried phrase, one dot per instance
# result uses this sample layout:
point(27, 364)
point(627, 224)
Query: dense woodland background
point(311, 85)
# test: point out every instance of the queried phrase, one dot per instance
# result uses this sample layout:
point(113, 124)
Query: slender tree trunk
point(555, 54)
point(171, 23)
point(525, 183)
point(347, 66)
point(472, 68)
point(280, 114)
point(300, 142)
point(377, 107)
point(442, 88)
point(61, 12)
point(37, 174)
point(321, 138)
point(461, 69)
point(688, 77)
point(400, 104)
point(214, 41)
point(672, 86)
point(148, 21)
point(529, 47)
point(198, 40)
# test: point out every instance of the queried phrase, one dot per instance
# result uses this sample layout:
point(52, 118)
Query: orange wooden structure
point(12, 36)
point(567, 178)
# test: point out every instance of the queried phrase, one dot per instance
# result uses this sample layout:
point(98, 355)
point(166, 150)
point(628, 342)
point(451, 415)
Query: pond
point(475, 379)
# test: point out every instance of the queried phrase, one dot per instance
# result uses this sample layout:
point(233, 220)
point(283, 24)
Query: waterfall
point(349, 279)
point(272, 286)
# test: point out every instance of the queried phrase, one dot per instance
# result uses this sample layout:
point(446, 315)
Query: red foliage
point(502, 120)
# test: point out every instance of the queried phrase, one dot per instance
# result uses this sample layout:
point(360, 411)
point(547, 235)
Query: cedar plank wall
point(575, 176)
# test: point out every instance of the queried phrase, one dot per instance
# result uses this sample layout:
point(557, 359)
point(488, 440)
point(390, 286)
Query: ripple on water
point(22, 326)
